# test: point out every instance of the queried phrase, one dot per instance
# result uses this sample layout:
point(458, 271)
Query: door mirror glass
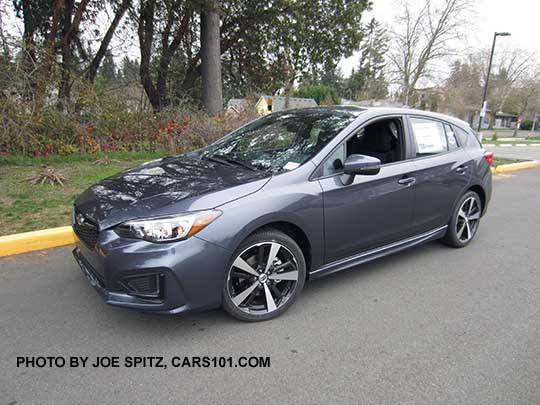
point(362, 165)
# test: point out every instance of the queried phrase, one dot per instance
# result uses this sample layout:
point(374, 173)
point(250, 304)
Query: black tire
point(465, 221)
point(284, 278)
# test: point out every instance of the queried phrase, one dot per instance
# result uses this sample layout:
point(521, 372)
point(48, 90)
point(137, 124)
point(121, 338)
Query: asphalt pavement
point(429, 325)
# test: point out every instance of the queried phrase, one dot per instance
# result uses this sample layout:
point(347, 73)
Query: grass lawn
point(25, 207)
point(503, 161)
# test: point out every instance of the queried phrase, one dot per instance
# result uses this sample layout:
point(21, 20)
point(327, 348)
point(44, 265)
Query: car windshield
point(281, 141)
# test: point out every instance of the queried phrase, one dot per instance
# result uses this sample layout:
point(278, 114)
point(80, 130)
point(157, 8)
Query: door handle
point(461, 170)
point(407, 181)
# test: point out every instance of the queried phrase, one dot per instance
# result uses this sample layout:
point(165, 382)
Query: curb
point(509, 145)
point(36, 240)
point(512, 167)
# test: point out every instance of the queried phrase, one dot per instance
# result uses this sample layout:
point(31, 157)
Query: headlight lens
point(167, 229)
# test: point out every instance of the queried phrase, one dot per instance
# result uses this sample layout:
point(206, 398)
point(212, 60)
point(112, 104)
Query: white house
point(267, 104)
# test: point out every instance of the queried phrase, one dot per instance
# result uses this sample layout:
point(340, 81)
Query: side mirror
point(362, 164)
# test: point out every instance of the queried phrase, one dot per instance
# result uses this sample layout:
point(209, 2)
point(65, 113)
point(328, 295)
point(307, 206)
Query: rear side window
point(451, 137)
point(430, 136)
point(466, 138)
point(462, 135)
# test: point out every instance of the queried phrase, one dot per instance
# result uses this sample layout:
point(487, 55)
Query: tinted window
point(451, 137)
point(429, 135)
point(467, 138)
point(462, 135)
point(283, 140)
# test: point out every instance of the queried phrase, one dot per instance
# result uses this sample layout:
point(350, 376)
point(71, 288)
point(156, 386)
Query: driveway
point(429, 325)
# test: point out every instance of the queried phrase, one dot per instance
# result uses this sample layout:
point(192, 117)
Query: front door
point(371, 211)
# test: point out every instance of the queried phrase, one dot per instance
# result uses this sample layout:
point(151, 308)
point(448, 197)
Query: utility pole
point(484, 99)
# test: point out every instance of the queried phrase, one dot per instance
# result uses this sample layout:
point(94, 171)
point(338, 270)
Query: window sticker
point(428, 137)
point(291, 166)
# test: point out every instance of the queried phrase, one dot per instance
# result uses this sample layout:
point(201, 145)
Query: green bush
point(526, 125)
point(321, 93)
point(102, 125)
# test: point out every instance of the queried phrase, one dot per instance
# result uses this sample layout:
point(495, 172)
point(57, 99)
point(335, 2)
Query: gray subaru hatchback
point(244, 222)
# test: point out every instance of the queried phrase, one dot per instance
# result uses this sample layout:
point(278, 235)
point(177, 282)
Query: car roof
point(412, 111)
point(388, 111)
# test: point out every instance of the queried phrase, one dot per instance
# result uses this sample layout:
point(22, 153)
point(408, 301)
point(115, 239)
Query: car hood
point(166, 187)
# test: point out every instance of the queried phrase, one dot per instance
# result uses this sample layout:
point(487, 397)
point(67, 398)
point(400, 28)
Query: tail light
point(489, 157)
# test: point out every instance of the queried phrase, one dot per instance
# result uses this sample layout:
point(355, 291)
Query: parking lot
point(429, 325)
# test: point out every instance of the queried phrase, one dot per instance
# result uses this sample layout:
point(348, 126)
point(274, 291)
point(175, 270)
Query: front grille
point(85, 229)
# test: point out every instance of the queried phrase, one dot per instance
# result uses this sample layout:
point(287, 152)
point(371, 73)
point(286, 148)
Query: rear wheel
point(265, 277)
point(465, 221)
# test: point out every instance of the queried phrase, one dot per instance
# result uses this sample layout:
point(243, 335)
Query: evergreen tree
point(368, 80)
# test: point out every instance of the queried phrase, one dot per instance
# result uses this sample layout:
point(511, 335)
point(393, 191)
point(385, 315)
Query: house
point(386, 102)
point(501, 120)
point(237, 104)
point(267, 104)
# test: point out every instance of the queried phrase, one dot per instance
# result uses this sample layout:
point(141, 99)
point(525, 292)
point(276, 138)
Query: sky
point(519, 17)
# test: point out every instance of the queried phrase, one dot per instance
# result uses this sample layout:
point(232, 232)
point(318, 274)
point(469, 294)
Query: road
point(429, 325)
point(516, 152)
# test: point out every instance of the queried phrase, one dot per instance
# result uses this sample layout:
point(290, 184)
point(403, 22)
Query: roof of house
point(278, 102)
point(236, 103)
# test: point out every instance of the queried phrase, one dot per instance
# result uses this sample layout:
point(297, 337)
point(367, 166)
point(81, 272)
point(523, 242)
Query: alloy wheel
point(262, 278)
point(468, 218)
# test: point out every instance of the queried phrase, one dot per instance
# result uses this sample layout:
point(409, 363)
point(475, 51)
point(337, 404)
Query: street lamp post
point(484, 99)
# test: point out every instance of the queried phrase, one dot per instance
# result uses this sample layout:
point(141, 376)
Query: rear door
point(442, 170)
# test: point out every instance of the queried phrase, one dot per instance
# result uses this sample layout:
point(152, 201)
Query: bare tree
point(95, 63)
point(421, 37)
point(512, 67)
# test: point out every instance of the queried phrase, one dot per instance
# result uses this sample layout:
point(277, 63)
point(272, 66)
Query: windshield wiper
point(218, 159)
point(232, 161)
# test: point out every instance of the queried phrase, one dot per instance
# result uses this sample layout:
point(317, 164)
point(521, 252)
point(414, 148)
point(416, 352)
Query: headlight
point(167, 229)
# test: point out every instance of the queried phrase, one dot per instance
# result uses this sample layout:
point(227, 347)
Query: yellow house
point(268, 104)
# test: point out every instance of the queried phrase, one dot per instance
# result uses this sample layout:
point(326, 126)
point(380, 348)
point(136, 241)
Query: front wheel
point(465, 221)
point(266, 275)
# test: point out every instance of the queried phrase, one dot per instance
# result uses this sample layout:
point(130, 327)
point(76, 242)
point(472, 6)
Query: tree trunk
point(145, 31)
point(64, 90)
point(288, 90)
point(98, 58)
point(212, 95)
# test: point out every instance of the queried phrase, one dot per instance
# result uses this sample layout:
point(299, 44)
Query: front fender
point(298, 204)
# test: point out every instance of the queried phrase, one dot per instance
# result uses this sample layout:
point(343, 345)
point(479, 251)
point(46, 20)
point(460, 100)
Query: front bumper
point(186, 275)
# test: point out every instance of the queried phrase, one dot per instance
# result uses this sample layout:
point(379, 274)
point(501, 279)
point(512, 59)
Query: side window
point(466, 138)
point(451, 137)
point(462, 135)
point(429, 135)
point(382, 139)
point(334, 162)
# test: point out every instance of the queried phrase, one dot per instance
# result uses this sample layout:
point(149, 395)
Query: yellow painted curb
point(37, 240)
point(511, 167)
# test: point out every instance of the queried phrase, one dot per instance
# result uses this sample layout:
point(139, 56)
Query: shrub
point(108, 126)
point(526, 125)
